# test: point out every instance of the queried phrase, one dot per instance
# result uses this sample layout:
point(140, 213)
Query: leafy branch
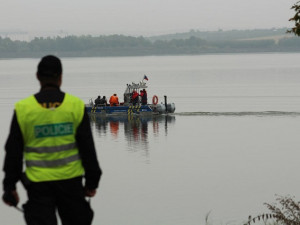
point(263, 217)
point(296, 29)
point(286, 211)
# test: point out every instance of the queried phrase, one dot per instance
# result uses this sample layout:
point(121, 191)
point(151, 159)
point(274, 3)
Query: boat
point(128, 108)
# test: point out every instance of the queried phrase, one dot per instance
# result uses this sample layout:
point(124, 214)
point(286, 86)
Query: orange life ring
point(154, 100)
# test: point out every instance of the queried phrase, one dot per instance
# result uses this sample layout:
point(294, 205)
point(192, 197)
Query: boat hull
point(123, 110)
point(149, 109)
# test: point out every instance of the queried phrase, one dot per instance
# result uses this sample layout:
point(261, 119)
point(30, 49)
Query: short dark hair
point(50, 67)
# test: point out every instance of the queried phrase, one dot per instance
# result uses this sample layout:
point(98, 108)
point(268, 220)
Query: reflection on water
point(135, 129)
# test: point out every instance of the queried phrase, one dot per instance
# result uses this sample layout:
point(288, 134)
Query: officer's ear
point(60, 80)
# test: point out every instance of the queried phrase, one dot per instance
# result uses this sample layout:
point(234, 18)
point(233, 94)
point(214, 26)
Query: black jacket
point(13, 163)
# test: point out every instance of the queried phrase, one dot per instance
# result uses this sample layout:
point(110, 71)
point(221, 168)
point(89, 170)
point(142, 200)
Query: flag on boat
point(145, 77)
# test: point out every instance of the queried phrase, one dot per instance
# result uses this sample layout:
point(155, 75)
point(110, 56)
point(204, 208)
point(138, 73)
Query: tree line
point(120, 45)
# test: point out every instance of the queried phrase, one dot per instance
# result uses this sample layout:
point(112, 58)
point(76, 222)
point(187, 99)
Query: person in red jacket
point(143, 95)
point(114, 100)
point(135, 97)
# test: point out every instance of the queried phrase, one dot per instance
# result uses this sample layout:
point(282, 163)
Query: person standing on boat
point(143, 94)
point(135, 97)
point(114, 100)
point(51, 132)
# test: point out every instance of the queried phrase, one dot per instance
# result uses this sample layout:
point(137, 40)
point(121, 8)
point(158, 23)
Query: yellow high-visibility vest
point(50, 149)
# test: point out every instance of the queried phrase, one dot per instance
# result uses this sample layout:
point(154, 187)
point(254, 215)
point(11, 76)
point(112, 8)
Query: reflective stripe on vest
point(52, 163)
point(50, 149)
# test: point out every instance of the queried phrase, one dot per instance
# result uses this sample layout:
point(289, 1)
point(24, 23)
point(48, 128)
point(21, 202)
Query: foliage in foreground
point(296, 29)
point(286, 211)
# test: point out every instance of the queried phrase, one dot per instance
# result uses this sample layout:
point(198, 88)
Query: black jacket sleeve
point(13, 162)
point(88, 154)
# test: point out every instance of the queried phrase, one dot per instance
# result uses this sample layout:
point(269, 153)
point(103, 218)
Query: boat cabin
point(129, 90)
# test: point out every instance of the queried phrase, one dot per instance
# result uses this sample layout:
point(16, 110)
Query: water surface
point(231, 145)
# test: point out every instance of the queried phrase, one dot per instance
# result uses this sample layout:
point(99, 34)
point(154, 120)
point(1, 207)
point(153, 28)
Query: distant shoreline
point(190, 43)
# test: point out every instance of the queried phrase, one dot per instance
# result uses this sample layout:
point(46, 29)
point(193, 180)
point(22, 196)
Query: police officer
point(51, 132)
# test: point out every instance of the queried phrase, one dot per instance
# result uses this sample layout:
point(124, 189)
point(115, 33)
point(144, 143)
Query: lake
point(231, 145)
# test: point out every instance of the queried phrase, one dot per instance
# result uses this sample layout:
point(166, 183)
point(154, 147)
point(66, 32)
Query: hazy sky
point(142, 17)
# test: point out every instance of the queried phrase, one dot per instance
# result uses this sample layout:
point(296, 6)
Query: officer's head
point(49, 70)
